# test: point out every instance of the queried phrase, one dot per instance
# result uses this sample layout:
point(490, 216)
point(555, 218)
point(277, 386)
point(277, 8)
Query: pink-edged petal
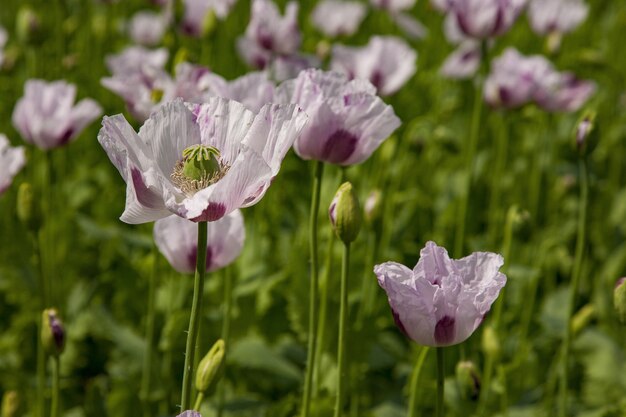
point(225, 239)
point(316, 141)
point(463, 62)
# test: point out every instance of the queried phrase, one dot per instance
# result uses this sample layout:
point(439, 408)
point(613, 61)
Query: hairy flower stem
point(194, 320)
point(56, 369)
point(342, 371)
point(147, 359)
point(228, 305)
point(440, 380)
point(470, 155)
point(312, 342)
point(573, 290)
point(414, 388)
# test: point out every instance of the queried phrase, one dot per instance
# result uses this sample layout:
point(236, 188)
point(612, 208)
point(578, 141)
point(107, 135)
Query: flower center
point(200, 167)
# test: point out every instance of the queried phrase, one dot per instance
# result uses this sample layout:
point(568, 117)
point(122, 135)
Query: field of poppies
point(348, 208)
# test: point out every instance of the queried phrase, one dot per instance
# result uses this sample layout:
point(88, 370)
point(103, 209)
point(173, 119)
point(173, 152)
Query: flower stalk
point(414, 388)
point(147, 360)
point(342, 374)
point(194, 320)
point(440, 380)
point(56, 378)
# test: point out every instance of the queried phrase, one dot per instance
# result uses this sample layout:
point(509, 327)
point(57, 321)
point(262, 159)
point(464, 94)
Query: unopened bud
point(26, 208)
point(619, 300)
point(582, 318)
point(11, 404)
point(490, 342)
point(373, 206)
point(209, 23)
point(586, 133)
point(322, 49)
point(27, 25)
point(345, 213)
point(468, 380)
point(52, 332)
point(210, 367)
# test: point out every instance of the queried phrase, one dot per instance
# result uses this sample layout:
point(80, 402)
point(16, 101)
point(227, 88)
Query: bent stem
point(310, 365)
point(573, 290)
point(415, 379)
point(440, 380)
point(54, 406)
point(147, 360)
point(194, 320)
point(342, 371)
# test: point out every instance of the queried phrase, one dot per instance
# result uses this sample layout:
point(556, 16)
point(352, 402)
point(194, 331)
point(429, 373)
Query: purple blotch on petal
point(144, 195)
point(396, 319)
point(339, 147)
point(192, 258)
point(213, 211)
point(444, 331)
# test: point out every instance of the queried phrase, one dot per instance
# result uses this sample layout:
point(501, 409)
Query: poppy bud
point(582, 318)
point(28, 25)
point(586, 133)
point(373, 206)
point(209, 23)
point(345, 213)
point(26, 209)
point(11, 404)
point(468, 380)
point(210, 367)
point(619, 300)
point(490, 342)
point(52, 332)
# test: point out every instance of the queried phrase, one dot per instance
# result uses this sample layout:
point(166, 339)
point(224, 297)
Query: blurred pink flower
point(393, 5)
point(196, 12)
point(347, 120)
point(249, 150)
point(442, 301)
point(338, 18)
point(560, 16)
point(563, 92)
point(463, 62)
point(12, 160)
point(482, 19)
point(134, 58)
point(386, 61)
point(289, 66)
point(177, 240)
point(411, 27)
point(47, 117)
point(269, 34)
point(253, 90)
point(147, 27)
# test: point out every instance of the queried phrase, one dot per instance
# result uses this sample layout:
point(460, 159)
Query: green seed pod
point(619, 300)
point(11, 404)
point(52, 332)
point(468, 380)
point(210, 368)
point(27, 210)
point(490, 343)
point(345, 213)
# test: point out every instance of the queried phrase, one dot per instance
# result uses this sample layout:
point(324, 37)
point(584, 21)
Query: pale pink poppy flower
point(556, 16)
point(563, 92)
point(147, 27)
point(348, 122)
point(441, 5)
point(177, 240)
point(47, 117)
point(253, 90)
point(411, 27)
point(190, 83)
point(442, 301)
point(463, 62)
point(243, 150)
point(134, 58)
point(393, 6)
point(483, 19)
point(269, 32)
point(289, 66)
point(12, 160)
point(338, 18)
point(196, 12)
point(386, 61)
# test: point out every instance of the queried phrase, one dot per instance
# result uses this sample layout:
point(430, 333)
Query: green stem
point(417, 370)
point(228, 301)
point(573, 290)
point(440, 380)
point(310, 365)
point(194, 320)
point(502, 141)
point(342, 372)
point(147, 359)
point(54, 406)
point(470, 155)
point(198, 402)
point(323, 313)
point(41, 354)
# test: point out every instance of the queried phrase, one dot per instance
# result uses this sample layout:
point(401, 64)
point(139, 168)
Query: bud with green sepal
point(619, 300)
point(491, 343)
point(210, 368)
point(345, 213)
point(52, 332)
point(27, 210)
point(586, 133)
point(373, 207)
point(468, 380)
point(28, 26)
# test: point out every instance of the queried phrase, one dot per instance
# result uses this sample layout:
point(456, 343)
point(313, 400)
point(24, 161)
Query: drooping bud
point(210, 368)
point(11, 404)
point(619, 300)
point(345, 213)
point(582, 318)
point(490, 342)
point(27, 210)
point(373, 206)
point(468, 380)
point(586, 133)
point(52, 332)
